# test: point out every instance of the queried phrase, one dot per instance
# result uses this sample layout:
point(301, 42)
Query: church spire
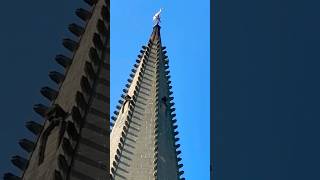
point(144, 137)
point(72, 143)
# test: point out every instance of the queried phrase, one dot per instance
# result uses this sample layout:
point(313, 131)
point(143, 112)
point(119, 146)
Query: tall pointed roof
point(72, 143)
point(155, 36)
point(143, 140)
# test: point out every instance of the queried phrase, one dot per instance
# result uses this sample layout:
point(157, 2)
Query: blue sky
point(186, 34)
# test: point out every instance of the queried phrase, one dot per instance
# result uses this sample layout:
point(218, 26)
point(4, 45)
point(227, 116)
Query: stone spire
point(143, 140)
point(73, 141)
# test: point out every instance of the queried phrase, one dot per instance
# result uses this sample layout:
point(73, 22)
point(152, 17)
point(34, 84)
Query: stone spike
point(173, 115)
point(129, 80)
point(76, 29)
point(104, 13)
point(112, 170)
point(80, 100)
point(83, 14)
point(19, 162)
point(63, 60)
point(49, 93)
point(56, 77)
point(27, 145)
point(85, 85)
point(40, 109)
point(181, 173)
point(115, 164)
point(125, 90)
point(116, 112)
point(89, 70)
point(93, 54)
point(102, 27)
point(70, 44)
point(34, 127)
point(97, 41)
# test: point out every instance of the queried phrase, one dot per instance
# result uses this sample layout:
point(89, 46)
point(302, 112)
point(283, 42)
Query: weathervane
point(156, 17)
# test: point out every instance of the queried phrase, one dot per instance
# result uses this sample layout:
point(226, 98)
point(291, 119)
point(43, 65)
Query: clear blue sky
point(185, 33)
